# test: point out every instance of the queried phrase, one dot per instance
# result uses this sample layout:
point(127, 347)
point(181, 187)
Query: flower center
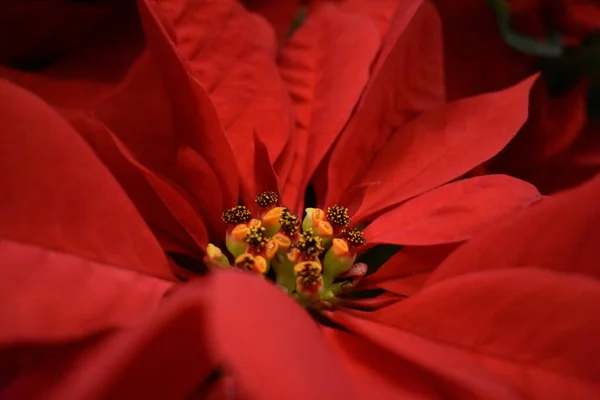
point(313, 261)
point(256, 237)
point(309, 244)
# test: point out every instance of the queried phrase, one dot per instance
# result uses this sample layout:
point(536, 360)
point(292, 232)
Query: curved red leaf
point(231, 53)
point(408, 270)
point(442, 144)
point(50, 295)
point(453, 212)
point(67, 230)
point(325, 66)
point(560, 232)
point(397, 92)
point(381, 12)
point(286, 348)
point(264, 177)
point(448, 370)
point(401, 17)
point(167, 357)
point(195, 121)
point(515, 323)
point(202, 325)
point(138, 118)
point(58, 195)
point(552, 126)
point(168, 213)
point(264, 174)
point(377, 373)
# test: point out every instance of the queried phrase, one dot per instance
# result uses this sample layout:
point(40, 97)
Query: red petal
point(442, 144)
point(560, 232)
point(203, 322)
point(50, 295)
point(264, 175)
point(285, 347)
point(167, 357)
point(453, 212)
point(280, 13)
point(139, 115)
point(381, 12)
point(58, 194)
point(194, 118)
point(553, 125)
point(325, 65)
point(172, 218)
point(96, 43)
point(401, 18)
point(482, 62)
point(530, 323)
point(67, 229)
point(408, 270)
point(448, 371)
point(375, 372)
point(397, 92)
point(202, 183)
point(231, 53)
point(352, 199)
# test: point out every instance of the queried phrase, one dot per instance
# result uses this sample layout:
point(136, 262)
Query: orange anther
point(324, 229)
point(260, 264)
point(271, 249)
point(240, 231)
point(283, 242)
point(255, 223)
point(340, 247)
point(294, 255)
point(317, 216)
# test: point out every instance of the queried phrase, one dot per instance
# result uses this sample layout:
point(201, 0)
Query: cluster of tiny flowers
point(309, 259)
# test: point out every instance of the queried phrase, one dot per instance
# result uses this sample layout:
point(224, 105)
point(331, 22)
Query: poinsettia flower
point(136, 129)
point(90, 311)
point(170, 193)
point(181, 150)
point(557, 130)
point(436, 142)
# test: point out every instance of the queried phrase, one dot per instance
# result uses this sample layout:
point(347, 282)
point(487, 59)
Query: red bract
point(548, 148)
point(204, 116)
